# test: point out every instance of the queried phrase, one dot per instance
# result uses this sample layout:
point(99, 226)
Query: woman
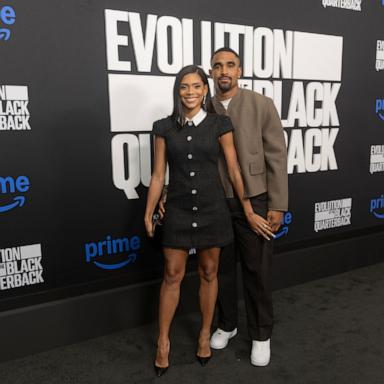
point(196, 212)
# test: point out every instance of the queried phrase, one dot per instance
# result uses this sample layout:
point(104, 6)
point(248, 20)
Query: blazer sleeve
point(275, 154)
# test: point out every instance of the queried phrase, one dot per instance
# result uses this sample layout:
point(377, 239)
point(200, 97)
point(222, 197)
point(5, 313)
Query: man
point(262, 158)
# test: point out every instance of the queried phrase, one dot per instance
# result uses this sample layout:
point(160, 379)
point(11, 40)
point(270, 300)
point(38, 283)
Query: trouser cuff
point(261, 334)
point(226, 326)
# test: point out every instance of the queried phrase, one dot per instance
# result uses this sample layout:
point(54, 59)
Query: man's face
point(225, 71)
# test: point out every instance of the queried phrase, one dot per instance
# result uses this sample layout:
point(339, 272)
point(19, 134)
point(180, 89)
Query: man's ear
point(240, 72)
point(210, 73)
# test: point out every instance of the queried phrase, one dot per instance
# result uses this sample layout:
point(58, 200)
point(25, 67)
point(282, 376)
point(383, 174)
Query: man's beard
point(224, 87)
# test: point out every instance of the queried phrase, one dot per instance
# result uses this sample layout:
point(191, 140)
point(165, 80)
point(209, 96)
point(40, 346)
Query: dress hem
point(220, 245)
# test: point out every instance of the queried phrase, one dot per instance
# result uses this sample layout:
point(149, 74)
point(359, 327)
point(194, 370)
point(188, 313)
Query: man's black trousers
point(255, 255)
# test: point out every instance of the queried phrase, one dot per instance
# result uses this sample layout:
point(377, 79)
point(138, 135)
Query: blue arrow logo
point(18, 201)
point(379, 215)
point(131, 259)
point(5, 34)
point(380, 108)
point(283, 232)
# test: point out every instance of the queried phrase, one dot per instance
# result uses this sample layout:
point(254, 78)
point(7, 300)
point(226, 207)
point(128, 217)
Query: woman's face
point(192, 92)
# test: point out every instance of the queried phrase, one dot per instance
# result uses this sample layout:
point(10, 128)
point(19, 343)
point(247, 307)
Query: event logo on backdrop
point(14, 113)
point(380, 109)
point(305, 66)
point(7, 18)
point(112, 253)
point(10, 185)
point(377, 207)
point(353, 5)
point(287, 220)
point(380, 55)
point(20, 266)
point(332, 214)
point(377, 159)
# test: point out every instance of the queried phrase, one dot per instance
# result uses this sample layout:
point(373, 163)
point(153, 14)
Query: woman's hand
point(149, 226)
point(257, 223)
point(260, 225)
point(156, 185)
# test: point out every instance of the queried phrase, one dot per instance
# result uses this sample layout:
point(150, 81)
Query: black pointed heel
point(160, 371)
point(203, 360)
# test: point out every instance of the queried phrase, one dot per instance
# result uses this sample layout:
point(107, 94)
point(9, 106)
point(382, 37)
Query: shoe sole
point(222, 347)
point(264, 364)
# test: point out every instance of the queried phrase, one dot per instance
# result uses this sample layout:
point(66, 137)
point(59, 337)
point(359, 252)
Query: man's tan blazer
point(260, 146)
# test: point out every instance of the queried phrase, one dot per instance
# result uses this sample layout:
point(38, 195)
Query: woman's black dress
point(196, 214)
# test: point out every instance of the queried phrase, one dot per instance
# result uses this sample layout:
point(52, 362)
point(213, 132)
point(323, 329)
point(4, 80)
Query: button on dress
point(196, 212)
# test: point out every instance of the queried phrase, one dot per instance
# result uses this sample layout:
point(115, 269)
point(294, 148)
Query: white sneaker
point(261, 352)
point(220, 338)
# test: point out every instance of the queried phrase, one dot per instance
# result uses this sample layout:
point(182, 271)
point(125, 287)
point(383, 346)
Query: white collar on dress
point(198, 118)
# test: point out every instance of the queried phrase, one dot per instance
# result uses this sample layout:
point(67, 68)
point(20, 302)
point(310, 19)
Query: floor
point(327, 331)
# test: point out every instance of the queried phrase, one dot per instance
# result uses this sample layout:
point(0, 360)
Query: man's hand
point(275, 219)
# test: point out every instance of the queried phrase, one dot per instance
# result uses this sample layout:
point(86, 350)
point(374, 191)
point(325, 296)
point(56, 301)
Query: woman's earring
point(204, 99)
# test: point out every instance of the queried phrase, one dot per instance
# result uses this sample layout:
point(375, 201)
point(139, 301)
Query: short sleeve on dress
point(159, 128)
point(224, 125)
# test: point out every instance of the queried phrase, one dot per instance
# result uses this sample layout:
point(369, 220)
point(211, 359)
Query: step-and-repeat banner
point(81, 82)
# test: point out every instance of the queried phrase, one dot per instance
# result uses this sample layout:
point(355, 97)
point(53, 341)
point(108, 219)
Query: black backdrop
point(58, 52)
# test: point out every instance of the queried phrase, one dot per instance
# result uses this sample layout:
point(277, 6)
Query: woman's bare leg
point(208, 266)
point(174, 270)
